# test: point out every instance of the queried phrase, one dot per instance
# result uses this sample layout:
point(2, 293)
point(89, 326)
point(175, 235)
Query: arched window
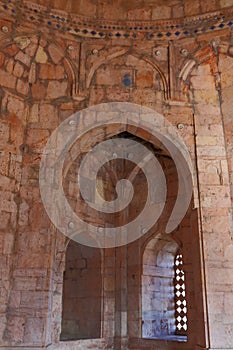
point(180, 296)
point(164, 309)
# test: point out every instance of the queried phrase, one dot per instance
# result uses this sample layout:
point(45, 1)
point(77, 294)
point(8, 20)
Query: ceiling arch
point(136, 10)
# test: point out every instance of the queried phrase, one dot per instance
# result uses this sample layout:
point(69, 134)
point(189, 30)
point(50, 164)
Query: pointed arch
point(158, 294)
point(106, 59)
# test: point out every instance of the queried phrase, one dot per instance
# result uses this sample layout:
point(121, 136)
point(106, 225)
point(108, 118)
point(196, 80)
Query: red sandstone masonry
point(42, 84)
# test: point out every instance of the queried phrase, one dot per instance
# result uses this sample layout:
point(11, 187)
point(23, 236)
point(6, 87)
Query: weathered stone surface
point(38, 91)
point(49, 71)
point(56, 89)
point(55, 54)
point(41, 56)
point(18, 70)
point(54, 288)
point(23, 58)
point(7, 80)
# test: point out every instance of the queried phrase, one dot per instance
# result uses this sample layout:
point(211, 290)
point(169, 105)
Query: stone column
point(214, 207)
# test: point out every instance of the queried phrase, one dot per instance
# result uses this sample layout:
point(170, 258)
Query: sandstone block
point(41, 56)
point(18, 70)
point(161, 12)
point(38, 91)
point(56, 89)
point(2, 59)
point(22, 87)
point(51, 72)
point(55, 54)
point(23, 58)
point(7, 80)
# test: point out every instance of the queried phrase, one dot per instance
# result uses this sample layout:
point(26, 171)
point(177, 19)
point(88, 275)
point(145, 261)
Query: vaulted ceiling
point(136, 9)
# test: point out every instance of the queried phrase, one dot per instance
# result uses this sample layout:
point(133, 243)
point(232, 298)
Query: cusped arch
point(106, 59)
point(158, 303)
point(207, 54)
point(203, 55)
point(159, 242)
point(140, 119)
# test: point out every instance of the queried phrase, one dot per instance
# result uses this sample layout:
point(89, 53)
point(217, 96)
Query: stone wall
point(52, 65)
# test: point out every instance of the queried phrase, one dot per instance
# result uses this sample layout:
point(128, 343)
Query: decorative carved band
point(28, 12)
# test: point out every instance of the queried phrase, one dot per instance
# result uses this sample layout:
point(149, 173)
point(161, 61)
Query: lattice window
point(180, 297)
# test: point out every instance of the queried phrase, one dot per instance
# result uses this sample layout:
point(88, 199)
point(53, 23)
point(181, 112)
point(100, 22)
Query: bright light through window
point(180, 297)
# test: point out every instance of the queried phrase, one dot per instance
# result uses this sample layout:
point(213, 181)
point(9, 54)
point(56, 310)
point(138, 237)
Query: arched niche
point(82, 293)
point(158, 292)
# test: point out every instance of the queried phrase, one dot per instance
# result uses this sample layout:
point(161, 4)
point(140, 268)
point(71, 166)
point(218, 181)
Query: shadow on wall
point(81, 315)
